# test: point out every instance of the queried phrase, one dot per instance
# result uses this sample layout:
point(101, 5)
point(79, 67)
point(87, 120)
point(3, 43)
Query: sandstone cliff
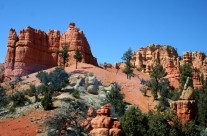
point(33, 50)
point(167, 56)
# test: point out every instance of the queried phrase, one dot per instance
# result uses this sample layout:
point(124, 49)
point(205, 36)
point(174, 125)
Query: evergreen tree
point(127, 58)
point(47, 100)
point(63, 54)
point(43, 77)
point(134, 122)
point(185, 71)
point(58, 79)
point(116, 99)
point(202, 108)
point(158, 125)
point(176, 128)
point(190, 129)
point(77, 56)
point(156, 74)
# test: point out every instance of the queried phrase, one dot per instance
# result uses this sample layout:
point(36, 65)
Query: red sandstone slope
point(130, 88)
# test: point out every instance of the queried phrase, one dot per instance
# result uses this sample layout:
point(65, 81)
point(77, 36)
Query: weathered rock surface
point(104, 125)
point(91, 84)
point(145, 58)
point(33, 50)
point(185, 107)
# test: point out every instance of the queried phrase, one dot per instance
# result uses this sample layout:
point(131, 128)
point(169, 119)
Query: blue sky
point(112, 26)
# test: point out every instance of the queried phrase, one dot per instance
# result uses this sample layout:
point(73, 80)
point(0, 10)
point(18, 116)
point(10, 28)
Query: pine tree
point(77, 56)
point(63, 54)
point(156, 74)
point(127, 58)
point(134, 122)
point(185, 71)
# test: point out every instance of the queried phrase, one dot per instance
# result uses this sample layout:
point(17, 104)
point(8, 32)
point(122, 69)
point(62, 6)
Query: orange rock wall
point(145, 58)
point(33, 50)
point(185, 109)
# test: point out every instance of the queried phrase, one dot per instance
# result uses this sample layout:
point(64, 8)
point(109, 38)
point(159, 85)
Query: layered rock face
point(185, 107)
point(145, 58)
point(33, 50)
point(75, 38)
point(104, 125)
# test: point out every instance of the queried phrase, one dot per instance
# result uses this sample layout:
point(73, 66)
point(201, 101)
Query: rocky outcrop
point(173, 73)
point(75, 38)
point(185, 107)
point(104, 125)
point(32, 50)
point(145, 58)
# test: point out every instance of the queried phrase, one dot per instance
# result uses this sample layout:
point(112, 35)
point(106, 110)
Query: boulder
point(92, 89)
point(91, 80)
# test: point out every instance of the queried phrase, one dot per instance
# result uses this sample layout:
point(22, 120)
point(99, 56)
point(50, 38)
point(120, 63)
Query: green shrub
point(58, 79)
point(18, 99)
point(76, 94)
point(12, 108)
point(18, 78)
point(3, 98)
point(43, 77)
point(55, 80)
point(174, 95)
point(32, 91)
point(41, 89)
point(47, 100)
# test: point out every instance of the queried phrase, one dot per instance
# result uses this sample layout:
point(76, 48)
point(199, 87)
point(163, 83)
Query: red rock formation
point(187, 57)
point(185, 109)
point(86, 124)
point(196, 79)
point(173, 73)
point(145, 58)
point(104, 125)
point(75, 38)
point(33, 50)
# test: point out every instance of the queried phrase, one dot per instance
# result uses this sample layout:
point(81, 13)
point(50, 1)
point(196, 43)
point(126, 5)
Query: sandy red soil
point(20, 126)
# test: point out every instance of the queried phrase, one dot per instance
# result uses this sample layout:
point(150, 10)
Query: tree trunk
point(76, 65)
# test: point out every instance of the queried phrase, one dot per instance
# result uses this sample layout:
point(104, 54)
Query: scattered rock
point(39, 130)
point(92, 89)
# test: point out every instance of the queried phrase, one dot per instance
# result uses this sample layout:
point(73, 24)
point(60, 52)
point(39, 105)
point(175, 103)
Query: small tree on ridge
point(77, 56)
point(127, 56)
